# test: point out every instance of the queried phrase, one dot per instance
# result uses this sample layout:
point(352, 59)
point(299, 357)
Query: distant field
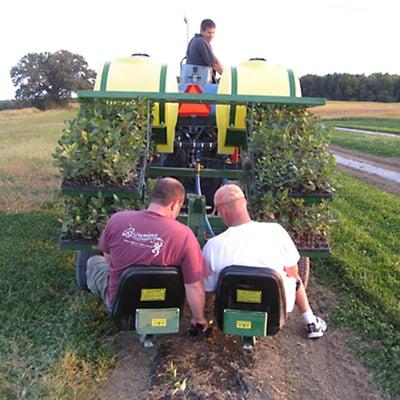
point(27, 140)
point(371, 124)
point(348, 109)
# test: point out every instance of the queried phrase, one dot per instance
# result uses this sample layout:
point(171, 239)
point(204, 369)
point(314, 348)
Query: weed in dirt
point(290, 378)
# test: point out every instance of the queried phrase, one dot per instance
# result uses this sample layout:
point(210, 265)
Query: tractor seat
point(250, 301)
point(149, 299)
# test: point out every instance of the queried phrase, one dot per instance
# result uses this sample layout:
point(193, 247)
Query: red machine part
point(191, 109)
point(235, 156)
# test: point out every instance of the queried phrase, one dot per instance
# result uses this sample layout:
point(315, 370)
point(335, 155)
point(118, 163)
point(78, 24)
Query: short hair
point(206, 24)
point(166, 191)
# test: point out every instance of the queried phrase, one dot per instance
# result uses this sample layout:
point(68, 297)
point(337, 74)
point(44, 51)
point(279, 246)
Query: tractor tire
point(304, 269)
point(82, 257)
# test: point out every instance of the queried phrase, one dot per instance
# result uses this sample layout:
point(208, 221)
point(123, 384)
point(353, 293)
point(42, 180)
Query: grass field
point(371, 124)
point(56, 341)
point(371, 144)
point(27, 140)
point(383, 117)
point(365, 270)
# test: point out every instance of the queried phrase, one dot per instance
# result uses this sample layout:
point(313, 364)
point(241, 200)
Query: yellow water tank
point(253, 77)
point(140, 73)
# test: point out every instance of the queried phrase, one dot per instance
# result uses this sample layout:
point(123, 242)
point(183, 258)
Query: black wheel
point(304, 269)
point(81, 265)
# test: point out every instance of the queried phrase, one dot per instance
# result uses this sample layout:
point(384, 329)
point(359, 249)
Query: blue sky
point(309, 36)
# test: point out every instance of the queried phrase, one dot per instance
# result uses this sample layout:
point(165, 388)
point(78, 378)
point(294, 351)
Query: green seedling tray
point(245, 323)
point(157, 320)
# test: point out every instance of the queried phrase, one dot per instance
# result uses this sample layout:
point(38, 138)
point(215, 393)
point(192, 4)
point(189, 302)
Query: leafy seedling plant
point(103, 147)
point(105, 144)
point(85, 217)
point(288, 155)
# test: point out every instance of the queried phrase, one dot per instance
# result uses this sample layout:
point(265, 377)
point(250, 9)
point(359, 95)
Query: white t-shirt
point(253, 244)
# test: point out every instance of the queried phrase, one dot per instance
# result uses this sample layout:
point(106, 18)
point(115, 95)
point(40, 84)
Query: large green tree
point(48, 78)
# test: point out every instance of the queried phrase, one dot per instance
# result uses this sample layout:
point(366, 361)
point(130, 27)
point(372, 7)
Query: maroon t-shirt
point(147, 238)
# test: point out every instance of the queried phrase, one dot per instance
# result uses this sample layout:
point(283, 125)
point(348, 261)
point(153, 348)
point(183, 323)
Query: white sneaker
point(317, 328)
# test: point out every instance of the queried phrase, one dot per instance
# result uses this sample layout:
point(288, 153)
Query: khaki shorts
point(97, 274)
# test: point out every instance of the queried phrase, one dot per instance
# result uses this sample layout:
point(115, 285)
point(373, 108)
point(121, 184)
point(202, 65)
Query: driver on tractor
point(199, 51)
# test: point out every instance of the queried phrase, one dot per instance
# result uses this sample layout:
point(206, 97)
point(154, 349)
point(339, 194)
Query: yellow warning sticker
point(243, 324)
point(153, 294)
point(158, 322)
point(248, 296)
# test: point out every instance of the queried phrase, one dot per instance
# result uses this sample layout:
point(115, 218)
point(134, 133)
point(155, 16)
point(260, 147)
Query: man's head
point(231, 205)
point(168, 196)
point(207, 29)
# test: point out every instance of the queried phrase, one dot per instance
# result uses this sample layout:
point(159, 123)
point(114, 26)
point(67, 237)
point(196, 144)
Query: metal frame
point(203, 98)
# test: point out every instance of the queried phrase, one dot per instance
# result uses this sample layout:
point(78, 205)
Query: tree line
point(375, 87)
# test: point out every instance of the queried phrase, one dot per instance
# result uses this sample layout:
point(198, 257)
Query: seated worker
point(151, 237)
point(199, 51)
point(256, 244)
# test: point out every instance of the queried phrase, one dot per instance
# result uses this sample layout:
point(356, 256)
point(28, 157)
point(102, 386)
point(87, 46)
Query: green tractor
point(197, 131)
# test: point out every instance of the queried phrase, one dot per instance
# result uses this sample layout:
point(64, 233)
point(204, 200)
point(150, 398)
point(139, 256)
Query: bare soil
point(282, 367)
point(389, 163)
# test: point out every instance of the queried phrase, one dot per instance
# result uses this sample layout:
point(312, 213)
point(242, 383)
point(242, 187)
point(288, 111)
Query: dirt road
point(388, 163)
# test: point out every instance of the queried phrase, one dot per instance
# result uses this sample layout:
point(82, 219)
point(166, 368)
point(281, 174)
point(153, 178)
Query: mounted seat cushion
point(251, 289)
point(144, 287)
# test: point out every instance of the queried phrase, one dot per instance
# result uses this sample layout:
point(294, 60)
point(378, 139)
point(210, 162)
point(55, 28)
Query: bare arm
point(195, 296)
point(292, 271)
point(218, 67)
